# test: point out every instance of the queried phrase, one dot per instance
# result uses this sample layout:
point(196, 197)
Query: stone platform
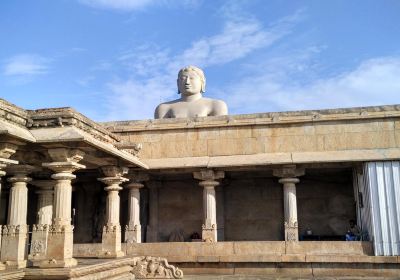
point(90, 269)
point(305, 259)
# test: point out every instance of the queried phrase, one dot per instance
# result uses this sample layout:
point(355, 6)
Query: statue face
point(189, 83)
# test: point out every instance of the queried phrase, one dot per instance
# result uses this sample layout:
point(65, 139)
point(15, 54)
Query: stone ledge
point(340, 114)
point(298, 258)
point(274, 158)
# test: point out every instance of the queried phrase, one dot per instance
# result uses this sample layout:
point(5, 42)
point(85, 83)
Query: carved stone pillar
point(111, 238)
point(40, 230)
point(15, 233)
point(2, 173)
point(60, 238)
point(152, 228)
point(6, 150)
point(133, 230)
point(288, 176)
point(208, 182)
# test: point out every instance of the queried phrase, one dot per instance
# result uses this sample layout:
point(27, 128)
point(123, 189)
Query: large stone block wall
point(253, 210)
point(325, 201)
point(177, 142)
point(180, 207)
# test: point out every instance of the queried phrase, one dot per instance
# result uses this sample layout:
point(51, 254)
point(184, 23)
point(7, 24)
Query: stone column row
point(52, 236)
point(209, 180)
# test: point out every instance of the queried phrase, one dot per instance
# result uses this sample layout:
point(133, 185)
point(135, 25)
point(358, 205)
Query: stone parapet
point(305, 116)
point(355, 134)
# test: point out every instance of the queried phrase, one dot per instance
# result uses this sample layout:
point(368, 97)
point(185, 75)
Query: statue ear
point(203, 87)
point(177, 84)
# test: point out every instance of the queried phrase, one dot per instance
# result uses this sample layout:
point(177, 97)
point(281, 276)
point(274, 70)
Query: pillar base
point(59, 247)
point(209, 234)
point(291, 232)
point(133, 234)
point(15, 264)
point(53, 263)
point(111, 242)
point(40, 236)
point(13, 247)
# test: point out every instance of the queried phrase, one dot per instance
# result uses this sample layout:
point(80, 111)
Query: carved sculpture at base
point(14, 245)
point(154, 268)
point(191, 85)
point(40, 235)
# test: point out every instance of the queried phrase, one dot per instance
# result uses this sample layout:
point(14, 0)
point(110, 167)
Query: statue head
point(191, 80)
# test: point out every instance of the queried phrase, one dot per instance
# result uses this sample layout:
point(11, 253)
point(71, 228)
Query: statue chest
point(189, 111)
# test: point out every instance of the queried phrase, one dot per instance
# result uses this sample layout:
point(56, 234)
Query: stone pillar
point(2, 173)
point(288, 174)
point(111, 238)
point(40, 230)
point(60, 238)
point(208, 182)
point(133, 230)
point(6, 151)
point(152, 228)
point(15, 233)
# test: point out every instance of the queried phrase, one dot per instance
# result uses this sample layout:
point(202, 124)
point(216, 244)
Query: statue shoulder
point(219, 107)
point(163, 109)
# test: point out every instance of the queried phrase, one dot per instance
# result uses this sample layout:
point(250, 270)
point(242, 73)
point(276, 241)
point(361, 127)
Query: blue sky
point(118, 59)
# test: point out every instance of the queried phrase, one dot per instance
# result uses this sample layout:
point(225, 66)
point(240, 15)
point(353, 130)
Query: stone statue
point(191, 85)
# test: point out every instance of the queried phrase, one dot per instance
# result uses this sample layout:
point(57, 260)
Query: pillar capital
point(134, 185)
point(65, 155)
point(65, 168)
point(137, 176)
point(208, 175)
point(20, 170)
point(289, 180)
point(114, 171)
point(113, 183)
point(208, 184)
point(288, 171)
point(7, 149)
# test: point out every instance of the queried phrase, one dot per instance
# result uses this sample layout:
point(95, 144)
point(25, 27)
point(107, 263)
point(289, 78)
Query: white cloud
point(154, 70)
point(133, 5)
point(26, 65)
point(372, 82)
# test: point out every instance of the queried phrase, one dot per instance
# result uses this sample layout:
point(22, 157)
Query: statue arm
point(220, 108)
point(161, 111)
